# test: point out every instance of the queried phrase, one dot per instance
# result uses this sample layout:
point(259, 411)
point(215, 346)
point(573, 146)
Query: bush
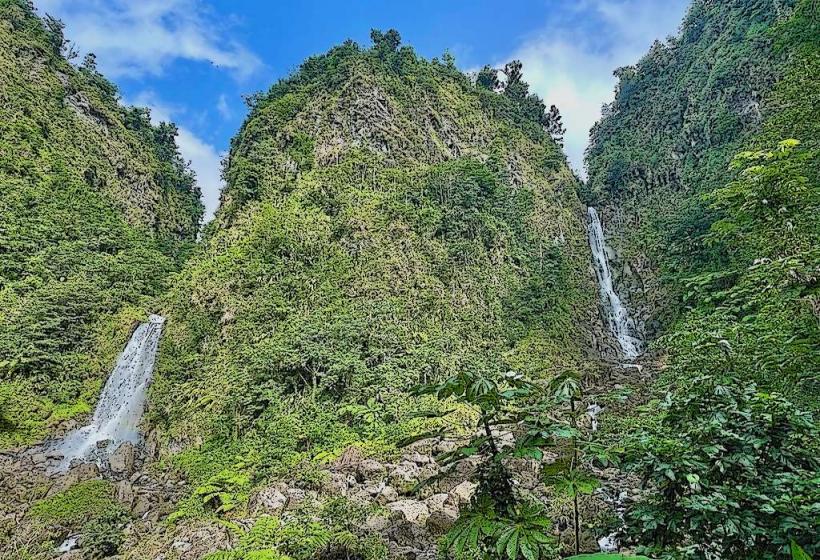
point(733, 473)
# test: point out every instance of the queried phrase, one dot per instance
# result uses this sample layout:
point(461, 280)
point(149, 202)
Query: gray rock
point(374, 489)
point(142, 505)
point(405, 476)
point(376, 523)
point(412, 511)
point(268, 500)
point(122, 460)
point(79, 473)
point(336, 484)
point(419, 458)
point(371, 469)
point(125, 493)
point(388, 494)
point(438, 502)
point(181, 546)
point(442, 521)
point(444, 446)
point(38, 458)
point(464, 492)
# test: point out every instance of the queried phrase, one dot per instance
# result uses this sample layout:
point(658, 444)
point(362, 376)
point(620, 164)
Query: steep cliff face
point(96, 208)
point(708, 248)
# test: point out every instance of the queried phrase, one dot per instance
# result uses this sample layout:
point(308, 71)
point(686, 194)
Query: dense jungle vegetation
point(400, 256)
point(386, 223)
point(97, 209)
point(707, 159)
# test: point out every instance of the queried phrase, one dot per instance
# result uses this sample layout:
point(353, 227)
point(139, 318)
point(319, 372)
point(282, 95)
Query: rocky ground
point(410, 520)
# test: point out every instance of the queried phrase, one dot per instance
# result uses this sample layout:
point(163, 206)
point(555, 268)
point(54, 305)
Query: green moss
point(78, 505)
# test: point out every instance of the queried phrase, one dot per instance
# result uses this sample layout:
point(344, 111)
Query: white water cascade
point(121, 403)
point(617, 315)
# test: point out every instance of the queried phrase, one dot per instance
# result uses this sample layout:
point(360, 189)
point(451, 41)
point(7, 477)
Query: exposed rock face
point(464, 492)
point(412, 511)
point(270, 500)
point(122, 460)
point(79, 473)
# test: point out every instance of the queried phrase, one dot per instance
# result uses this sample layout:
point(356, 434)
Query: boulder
point(142, 505)
point(412, 511)
point(371, 469)
point(464, 492)
point(439, 502)
point(269, 500)
point(79, 473)
point(122, 460)
point(38, 458)
point(386, 495)
point(419, 458)
point(444, 446)
point(335, 484)
point(374, 489)
point(124, 493)
point(405, 476)
point(442, 521)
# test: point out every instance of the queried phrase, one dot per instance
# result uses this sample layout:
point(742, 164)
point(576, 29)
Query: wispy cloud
point(205, 160)
point(223, 108)
point(133, 38)
point(570, 61)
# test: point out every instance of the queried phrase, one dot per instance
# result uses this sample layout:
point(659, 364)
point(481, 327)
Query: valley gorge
point(411, 330)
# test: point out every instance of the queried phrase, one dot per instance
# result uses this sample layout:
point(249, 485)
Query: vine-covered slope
point(707, 166)
point(96, 208)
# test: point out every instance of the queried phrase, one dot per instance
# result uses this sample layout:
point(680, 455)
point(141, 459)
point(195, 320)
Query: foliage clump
point(88, 508)
point(733, 473)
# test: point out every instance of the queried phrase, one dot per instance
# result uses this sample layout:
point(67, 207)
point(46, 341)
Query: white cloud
point(223, 108)
point(137, 37)
point(570, 61)
point(205, 160)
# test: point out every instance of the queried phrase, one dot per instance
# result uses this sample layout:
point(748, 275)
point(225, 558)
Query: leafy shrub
point(224, 491)
point(333, 532)
point(102, 537)
point(733, 474)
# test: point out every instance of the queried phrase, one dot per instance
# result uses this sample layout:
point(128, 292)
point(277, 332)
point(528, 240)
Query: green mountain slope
point(385, 223)
point(96, 208)
point(710, 263)
point(707, 166)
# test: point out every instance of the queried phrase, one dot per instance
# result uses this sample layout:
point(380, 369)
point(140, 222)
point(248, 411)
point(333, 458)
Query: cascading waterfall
point(121, 403)
point(617, 315)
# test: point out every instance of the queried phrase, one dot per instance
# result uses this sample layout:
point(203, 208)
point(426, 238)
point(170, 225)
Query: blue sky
point(191, 61)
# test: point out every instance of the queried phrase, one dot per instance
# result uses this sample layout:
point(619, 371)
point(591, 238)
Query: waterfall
point(121, 403)
point(617, 315)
